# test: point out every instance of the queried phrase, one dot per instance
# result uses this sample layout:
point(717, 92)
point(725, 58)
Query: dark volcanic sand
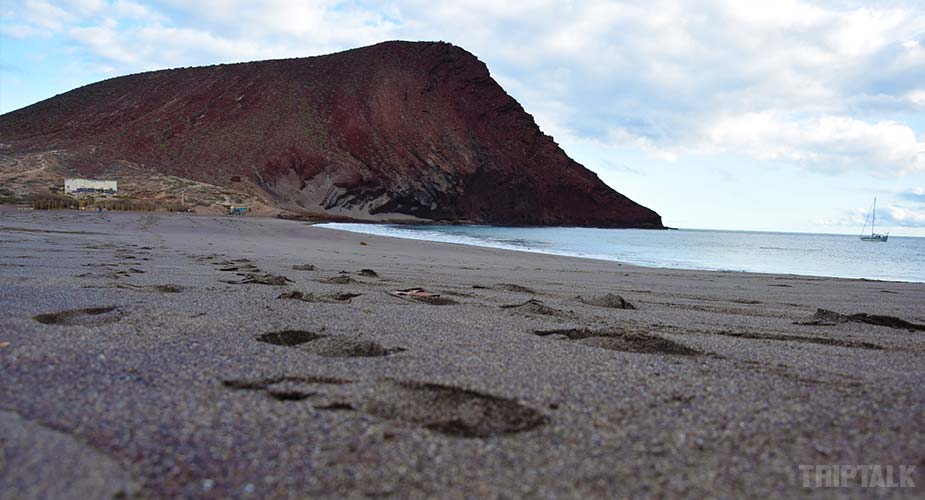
point(174, 381)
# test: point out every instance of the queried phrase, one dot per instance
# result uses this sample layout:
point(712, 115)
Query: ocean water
point(845, 256)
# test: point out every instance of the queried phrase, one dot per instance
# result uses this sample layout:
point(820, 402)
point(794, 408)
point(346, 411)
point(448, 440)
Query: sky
point(728, 114)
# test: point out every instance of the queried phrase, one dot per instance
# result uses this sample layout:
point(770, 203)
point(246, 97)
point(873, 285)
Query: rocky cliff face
point(395, 130)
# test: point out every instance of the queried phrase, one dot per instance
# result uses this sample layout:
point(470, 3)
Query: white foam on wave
point(393, 231)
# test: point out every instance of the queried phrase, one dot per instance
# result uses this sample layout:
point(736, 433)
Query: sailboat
point(872, 217)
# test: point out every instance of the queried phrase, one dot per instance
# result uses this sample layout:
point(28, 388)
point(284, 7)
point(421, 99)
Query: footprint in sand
point(534, 306)
point(608, 300)
point(513, 287)
point(421, 295)
point(169, 288)
point(799, 338)
point(242, 265)
point(622, 341)
point(259, 279)
point(337, 298)
point(824, 317)
point(506, 287)
point(92, 316)
point(341, 280)
point(332, 346)
point(448, 410)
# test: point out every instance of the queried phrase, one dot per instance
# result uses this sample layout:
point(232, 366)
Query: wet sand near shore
point(155, 355)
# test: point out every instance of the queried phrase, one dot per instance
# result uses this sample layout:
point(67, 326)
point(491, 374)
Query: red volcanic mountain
point(389, 131)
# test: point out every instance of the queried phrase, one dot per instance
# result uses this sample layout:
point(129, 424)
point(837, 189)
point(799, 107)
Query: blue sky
point(786, 115)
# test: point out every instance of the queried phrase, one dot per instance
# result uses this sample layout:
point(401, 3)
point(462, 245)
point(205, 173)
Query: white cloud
point(83, 7)
point(625, 137)
point(149, 46)
point(131, 10)
point(903, 216)
point(891, 215)
point(916, 195)
point(105, 41)
point(916, 97)
point(908, 211)
point(45, 15)
point(825, 142)
point(23, 31)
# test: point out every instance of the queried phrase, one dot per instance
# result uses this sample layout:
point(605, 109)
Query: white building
point(89, 186)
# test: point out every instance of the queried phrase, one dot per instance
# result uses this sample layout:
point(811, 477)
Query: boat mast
point(873, 221)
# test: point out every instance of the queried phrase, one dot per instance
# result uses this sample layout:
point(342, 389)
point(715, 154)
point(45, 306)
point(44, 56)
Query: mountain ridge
point(396, 130)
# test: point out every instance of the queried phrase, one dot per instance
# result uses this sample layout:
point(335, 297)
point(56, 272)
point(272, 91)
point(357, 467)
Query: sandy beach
point(161, 355)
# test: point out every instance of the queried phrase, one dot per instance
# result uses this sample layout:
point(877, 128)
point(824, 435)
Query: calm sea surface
point(845, 256)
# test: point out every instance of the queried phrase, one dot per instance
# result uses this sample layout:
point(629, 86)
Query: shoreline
point(476, 243)
point(203, 356)
point(411, 220)
point(323, 222)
